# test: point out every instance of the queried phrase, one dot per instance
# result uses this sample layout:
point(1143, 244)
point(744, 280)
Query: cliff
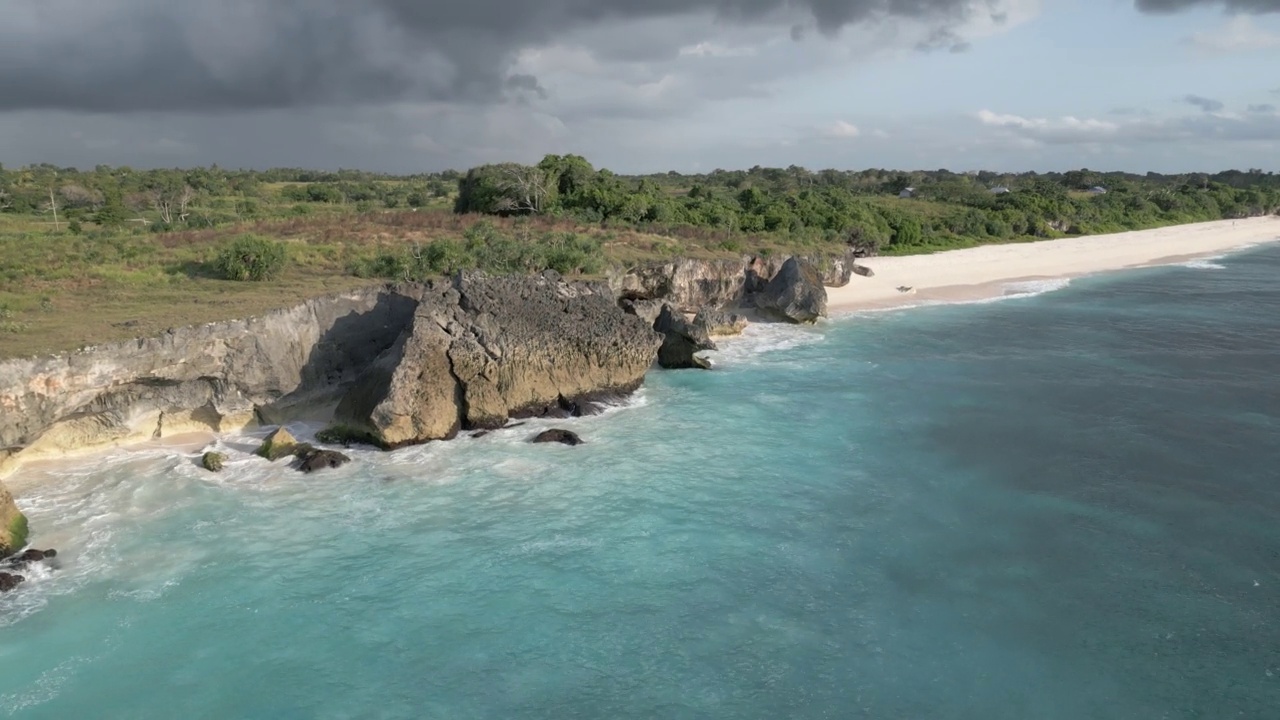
point(220, 376)
point(483, 350)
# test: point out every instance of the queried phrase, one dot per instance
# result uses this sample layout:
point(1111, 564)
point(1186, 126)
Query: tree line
point(867, 208)
point(733, 208)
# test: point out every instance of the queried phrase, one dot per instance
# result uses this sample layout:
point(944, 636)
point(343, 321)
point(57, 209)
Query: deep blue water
point(1064, 506)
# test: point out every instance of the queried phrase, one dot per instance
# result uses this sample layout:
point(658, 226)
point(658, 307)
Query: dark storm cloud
point(1204, 103)
point(1170, 6)
point(231, 55)
point(1263, 108)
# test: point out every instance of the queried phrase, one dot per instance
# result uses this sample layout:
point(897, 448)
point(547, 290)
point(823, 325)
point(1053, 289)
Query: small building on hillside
point(999, 190)
point(1097, 190)
point(907, 193)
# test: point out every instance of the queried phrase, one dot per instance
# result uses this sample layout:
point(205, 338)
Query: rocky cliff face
point(219, 376)
point(482, 350)
point(690, 285)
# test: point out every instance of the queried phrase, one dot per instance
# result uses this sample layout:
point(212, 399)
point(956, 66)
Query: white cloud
point(841, 129)
point(1069, 130)
point(715, 50)
point(1239, 34)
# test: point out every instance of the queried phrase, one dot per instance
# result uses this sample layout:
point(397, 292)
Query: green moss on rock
point(212, 461)
point(277, 445)
point(13, 525)
point(347, 435)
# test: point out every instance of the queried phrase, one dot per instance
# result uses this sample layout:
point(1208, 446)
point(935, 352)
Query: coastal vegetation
point(116, 252)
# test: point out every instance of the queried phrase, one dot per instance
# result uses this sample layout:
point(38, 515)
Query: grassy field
point(61, 290)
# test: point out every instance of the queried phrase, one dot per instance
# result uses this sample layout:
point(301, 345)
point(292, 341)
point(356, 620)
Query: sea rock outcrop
point(11, 580)
point(481, 350)
point(311, 459)
point(795, 294)
point(212, 461)
point(555, 435)
point(720, 322)
point(681, 341)
point(280, 443)
point(13, 525)
point(219, 376)
point(27, 557)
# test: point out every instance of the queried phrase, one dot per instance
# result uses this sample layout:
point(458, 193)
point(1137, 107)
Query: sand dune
point(983, 272)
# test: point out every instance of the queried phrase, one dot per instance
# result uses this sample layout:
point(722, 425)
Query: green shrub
point(250, 257)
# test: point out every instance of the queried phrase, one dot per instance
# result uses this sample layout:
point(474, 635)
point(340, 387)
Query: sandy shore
point(985, 272)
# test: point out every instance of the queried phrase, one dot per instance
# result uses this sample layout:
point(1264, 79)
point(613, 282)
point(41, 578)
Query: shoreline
point(984, 272)
point(937, 278)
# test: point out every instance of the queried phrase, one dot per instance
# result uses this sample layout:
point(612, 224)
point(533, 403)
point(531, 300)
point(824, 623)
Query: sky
point(642, 86)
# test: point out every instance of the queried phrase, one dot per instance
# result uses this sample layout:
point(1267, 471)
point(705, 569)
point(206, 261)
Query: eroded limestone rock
point(482, 350)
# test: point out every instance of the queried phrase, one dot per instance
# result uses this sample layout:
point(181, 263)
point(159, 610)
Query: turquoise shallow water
point(1061, 506)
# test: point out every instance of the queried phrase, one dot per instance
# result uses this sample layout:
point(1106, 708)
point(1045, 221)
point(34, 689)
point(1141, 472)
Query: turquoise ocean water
point(1061, 506)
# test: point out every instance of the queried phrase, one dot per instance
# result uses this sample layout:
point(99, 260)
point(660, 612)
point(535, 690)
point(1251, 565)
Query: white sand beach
point(984, 272)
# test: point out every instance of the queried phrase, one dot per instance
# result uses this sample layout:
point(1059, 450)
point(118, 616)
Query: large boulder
point(9, 581)
point(482, 350)
point(13, 525)
point(681, 340)
point(719, 322)
point(795, 294)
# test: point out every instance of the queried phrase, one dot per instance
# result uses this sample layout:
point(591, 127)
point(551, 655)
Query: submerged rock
point(9, 581)
point(22, 560)
point(311, 459)
point(720, 322)
point(13, 524)
point(277, 445)
point(212, 461)
point(483, 350)
point(681, 339)
point(795, 294)
point(556, 435)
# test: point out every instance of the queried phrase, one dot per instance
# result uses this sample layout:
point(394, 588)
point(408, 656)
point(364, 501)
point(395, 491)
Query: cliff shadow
point(354, 336)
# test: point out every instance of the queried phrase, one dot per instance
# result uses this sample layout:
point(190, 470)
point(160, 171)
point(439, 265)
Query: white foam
point(1205, 264)
point(761, 338)
point(1034, 287)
